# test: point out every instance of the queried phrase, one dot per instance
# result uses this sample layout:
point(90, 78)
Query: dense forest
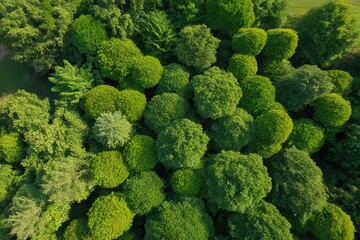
point(181, 120)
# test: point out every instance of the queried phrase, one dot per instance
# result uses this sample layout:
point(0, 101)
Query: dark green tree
point(187, 12)
point(187, 181)
point(342, 81)
point(242, 66)
point(175, 79)
point(270, 14)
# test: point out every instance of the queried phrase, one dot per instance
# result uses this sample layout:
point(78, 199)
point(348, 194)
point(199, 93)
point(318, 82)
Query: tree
point(7, 177)
point(281, 44)
point(11, 147)
point(342, 81)
point(146, 72)
point(132, 104)
point(229, 15)
point(236, 182)
point(185, 12)
point(242, 66)
point(297, 185)
point(216, 93)
point(143, 192)
point(175, 79)
point(109, 217)
point(77, 230)
point(182, 145)
point(248, 41)
point(187, 181)
point(333, 32)
point(71, 82)
point(176, 220)
point(108, 169)
point(270, 14)
point(196, 47)
point(263, 221)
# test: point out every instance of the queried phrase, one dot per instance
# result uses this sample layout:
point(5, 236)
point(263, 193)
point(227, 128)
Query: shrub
point(115, 58)
point(112, 129)
point(270, 14)
point(164, 109)
point(11, 147)
point(196, 47)
point(264, 221)
point(307, 136)
point(7, 177)
point(216, 93)
point(248, 41)
point(77, 230)
point(332, 110)
point(109, 217)
point(187, 181)
point(341, 80)
point(108, 169)
point(177, 220)
point(280, 44)
point(263, 149)
point(232, 132)
point(182, 145)
point(185, 12)
point(242, 66)
point(132, 104)
point(140, 153)
point(236, 182)
point(175, 79)
point(258, 95)
point(229, 15)
point(143, 192)
point(275, 69)
point(147, 72)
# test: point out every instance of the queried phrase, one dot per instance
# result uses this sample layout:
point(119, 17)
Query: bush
point(177, 220)
point(236, 182)
point(275, 69)
point(109, 217)
point(242, 66)
point(341, 80)
point(331, 223)
point(101, 99)
point(108, 169)
point(7, 177)
point(182, 145)
point(11, 147)
point(270, 14)
point(216, 93)
point(307, 136)
point(187, 181)
point(132, 104)
point(112, 129)
point(140, 153)
point(232, 132)
point(164, 109)
point(273, 127)
point(147, 72)
point(264, 221)
point(332, 110)
point(87, 33)
point(280, 44)
point(115, 58)
point(229, 15)
point(248, 41)
point(77, 230)
point(264, 150)
point(185, 12)
point(258, 95)
point(196, 47)
point(143, 192)
point(175, 79)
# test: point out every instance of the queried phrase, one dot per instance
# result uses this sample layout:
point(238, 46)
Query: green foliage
point(341, 80)
point(175, 79)
point(263, 221)
point(77, 230)
point(327, 33)
point(7, 177)
point(87, 33)
point(196, 47)
point(216, 93)
point(332, 110)
point(298, 187)
point(164, 109)
point(248, 41)
point(258, 95)
point(11, 147)
point(185, 12)
point(116, 58)
point(71, 82)
point(109, 217)
point(302, 87)
point(275, 69)
point(108, 169)
point(101, 99)
point(331, 223)
point(232, 132)
point(132, 104)
point(307, 136)
point(147, 72)
point(229, 15)
point(263, 149)
point(112, 129)
point(143, 192)
point(179, 220)
point(182, 145)
point(187, 181)
point(157, 34)
point(281, 44)
point(273, 127)
point(242, 66)
point(140, 153)
point(236, 182)
point(270, 14)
